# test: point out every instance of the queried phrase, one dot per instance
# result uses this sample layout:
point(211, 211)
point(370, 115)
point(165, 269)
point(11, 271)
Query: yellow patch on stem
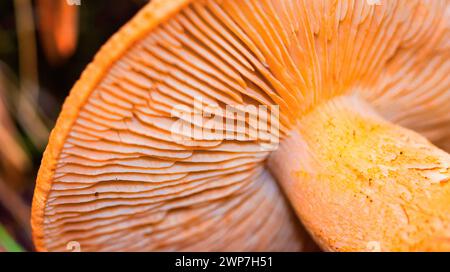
point(355, 178)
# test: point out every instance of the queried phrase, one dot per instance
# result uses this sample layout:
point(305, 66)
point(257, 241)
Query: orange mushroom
point(344, 83)
point(58, 28)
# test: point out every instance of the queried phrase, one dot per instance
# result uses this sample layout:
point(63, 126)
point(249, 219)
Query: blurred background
point(44, 47)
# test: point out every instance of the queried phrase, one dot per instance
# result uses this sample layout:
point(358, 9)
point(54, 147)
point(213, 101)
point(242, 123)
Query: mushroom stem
point(360, 183)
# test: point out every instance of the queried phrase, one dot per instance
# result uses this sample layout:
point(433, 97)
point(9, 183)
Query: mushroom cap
point(141, 190)
point(114, 177)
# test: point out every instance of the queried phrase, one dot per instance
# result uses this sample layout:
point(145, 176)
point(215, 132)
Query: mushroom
point(331, 99)
point(58, 28)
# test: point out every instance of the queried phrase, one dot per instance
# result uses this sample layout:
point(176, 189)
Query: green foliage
point(7, 242)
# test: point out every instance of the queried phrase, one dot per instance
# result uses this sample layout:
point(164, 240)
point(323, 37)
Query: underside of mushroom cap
point(116, 176)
